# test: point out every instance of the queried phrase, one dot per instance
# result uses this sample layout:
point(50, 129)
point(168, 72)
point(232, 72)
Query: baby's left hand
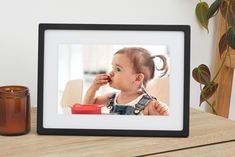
point(156, 108)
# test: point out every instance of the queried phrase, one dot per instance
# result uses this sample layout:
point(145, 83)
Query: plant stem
point(221, 65)
point(226, 53)
point(213, 109)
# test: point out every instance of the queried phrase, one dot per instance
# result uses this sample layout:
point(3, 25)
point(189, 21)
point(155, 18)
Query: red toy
point(86, 109)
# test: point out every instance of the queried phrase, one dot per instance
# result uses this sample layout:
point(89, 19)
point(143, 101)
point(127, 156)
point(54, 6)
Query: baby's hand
point(156, 108)
point(100, 80)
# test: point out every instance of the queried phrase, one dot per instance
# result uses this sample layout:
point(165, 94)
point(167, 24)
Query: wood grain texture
point(217, 150)
point(225, 78)
point(205, 128)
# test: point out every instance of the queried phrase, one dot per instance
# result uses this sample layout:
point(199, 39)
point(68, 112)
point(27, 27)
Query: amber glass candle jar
point(14, 110)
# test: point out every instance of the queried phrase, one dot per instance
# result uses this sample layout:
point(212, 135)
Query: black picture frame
point(42, 67)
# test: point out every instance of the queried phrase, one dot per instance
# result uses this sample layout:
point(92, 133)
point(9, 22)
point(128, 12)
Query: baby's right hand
point(100, 80)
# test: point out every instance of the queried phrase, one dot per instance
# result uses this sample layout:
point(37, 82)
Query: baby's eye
point(118, 69)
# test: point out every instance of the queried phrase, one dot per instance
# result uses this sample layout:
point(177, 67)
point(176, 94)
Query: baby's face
point(122, 75)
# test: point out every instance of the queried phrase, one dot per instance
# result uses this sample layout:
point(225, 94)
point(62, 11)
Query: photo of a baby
point(132, 68)
point(127, 88)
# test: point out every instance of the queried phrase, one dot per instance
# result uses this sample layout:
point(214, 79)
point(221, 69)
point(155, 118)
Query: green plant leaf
point(222, 44)
point(202, 74)
point(201, 13)
point(231, 37)
point(207, 91)
point(223, 8)
point(227, 9)
point(213, 8)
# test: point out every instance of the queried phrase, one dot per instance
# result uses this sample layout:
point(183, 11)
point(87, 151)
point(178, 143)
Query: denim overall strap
point(110, 104)
point(145, 100)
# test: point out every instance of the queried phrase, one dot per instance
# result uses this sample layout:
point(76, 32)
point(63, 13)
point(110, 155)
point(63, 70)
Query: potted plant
point(202, 74)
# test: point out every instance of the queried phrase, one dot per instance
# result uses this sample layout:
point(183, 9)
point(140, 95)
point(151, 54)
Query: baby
point(132, 68)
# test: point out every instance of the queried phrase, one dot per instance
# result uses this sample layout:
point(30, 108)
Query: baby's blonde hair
point(142, 62)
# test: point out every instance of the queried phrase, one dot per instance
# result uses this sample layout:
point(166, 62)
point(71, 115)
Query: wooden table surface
point(210, 135)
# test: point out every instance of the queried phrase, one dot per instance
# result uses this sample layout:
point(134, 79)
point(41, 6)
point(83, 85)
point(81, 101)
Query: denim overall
point(128, 110)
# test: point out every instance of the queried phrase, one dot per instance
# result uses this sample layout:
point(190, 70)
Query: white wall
point(20, 19)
